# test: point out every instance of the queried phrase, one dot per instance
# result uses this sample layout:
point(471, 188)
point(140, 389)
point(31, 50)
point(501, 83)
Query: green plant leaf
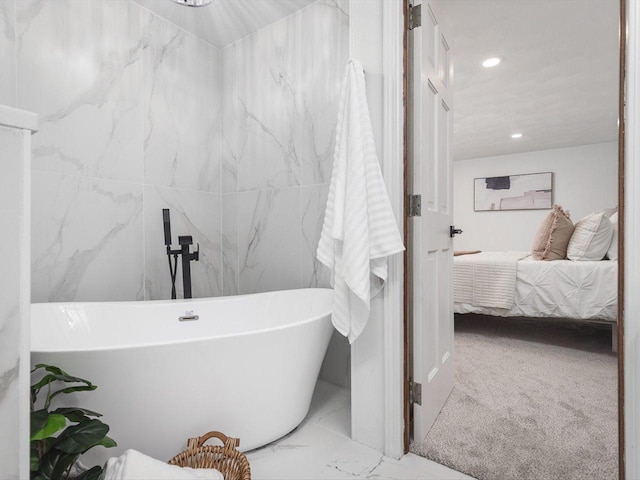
point(38, 420)
point(50, 368)
point(34, 461)
point(39, 448)
point(55, 374)
point(80, 388)
point(62, 466)
point(48, 463)
point(62, 377)
point(91, 474)
point(53, 424)
point(107, 442)
point(76, 414)
point(81, 437)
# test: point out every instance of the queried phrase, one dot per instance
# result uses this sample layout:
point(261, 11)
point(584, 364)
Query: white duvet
point(559, 288)
point(486, 279)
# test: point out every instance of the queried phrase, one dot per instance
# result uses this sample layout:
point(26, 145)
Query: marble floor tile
point(320, 448)
point(331, 409)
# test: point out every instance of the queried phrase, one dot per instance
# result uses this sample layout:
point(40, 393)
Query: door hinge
point(415, 393)
point(415, 16)
point(415, 205)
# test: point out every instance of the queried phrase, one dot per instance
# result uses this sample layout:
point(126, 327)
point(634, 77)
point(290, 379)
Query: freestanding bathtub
point(246, 367)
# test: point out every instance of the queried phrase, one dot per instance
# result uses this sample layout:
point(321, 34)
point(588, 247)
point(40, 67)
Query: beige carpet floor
point(533, 399)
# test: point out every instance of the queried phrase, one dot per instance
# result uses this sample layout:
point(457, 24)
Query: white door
point(430, 112)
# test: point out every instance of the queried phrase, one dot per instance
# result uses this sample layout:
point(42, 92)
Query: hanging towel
point(359, 230)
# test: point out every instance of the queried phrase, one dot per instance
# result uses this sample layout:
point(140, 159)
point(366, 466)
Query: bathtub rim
point(297, 323)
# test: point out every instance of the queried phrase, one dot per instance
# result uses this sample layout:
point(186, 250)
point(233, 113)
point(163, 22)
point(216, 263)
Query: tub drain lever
point(188, 316)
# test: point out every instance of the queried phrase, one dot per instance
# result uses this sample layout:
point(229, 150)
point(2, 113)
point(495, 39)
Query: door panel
point(430, 156)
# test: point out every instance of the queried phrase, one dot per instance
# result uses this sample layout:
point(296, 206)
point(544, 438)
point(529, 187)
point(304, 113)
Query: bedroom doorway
point(584, 180)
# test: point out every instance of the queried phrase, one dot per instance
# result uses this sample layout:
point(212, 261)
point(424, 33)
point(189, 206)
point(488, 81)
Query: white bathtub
point(246, 367)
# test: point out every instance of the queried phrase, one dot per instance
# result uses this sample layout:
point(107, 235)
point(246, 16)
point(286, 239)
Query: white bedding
point(559, 288)
point(486, 279)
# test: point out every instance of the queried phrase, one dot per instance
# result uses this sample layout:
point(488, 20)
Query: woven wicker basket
point(229, 461)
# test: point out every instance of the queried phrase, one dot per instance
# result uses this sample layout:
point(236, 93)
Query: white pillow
point(612, 253)
point(591, 238)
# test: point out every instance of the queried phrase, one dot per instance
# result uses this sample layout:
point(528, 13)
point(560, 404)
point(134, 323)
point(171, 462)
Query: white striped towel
point(359, 230)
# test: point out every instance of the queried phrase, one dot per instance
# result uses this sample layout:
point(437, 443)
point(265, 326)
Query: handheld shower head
point(166, 219)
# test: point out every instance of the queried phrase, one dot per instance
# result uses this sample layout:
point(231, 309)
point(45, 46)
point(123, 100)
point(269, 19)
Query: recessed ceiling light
point(516, 135)
point(491, 62)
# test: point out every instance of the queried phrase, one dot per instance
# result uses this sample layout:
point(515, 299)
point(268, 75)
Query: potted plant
point(60, 436)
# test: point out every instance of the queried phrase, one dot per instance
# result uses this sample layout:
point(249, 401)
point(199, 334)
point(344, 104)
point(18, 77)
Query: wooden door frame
point(408, 254)
point(621, 231)
point(408, 321)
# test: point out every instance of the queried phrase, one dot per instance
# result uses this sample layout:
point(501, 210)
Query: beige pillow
point(552, 238)
point(591, 238)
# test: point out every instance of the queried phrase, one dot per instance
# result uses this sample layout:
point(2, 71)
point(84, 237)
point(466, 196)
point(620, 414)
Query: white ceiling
point(558, 84)
point(225, 21)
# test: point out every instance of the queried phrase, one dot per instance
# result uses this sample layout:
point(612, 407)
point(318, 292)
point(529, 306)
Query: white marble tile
point(317, 452)
point(181, 108)
point(86, 239)
point(354, 460)
point(282, 133)
point(230, 244)
point(299, 455)
point(80, 68)
point(269, 240)
point(324, 49)
point(314, 201)
point(192, 213)
point(10, 294)
point(233, 125)
point(331, 409)
point(259, 123)
point(8, 52)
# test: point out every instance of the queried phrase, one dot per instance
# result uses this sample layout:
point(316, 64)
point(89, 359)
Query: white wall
point(585, 180)
point(367, 361)
point(631, 321)
point(15, 154)
point(376, 32)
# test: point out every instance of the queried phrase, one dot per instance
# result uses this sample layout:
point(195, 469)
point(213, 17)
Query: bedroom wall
point(585, 181)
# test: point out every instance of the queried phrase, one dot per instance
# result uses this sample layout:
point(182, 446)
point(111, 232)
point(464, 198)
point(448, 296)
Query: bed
point(512, 284)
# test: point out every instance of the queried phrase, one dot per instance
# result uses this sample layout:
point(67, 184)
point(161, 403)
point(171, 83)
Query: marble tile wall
point(8, 52)
point(137, 115)
point(120, 138)
point(277, 146)
point(242, 156)
point(11, 202)
point(277, 155)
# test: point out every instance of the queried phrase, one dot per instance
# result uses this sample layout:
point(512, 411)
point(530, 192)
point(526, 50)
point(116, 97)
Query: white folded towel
point(133, 465)
point(359, 229)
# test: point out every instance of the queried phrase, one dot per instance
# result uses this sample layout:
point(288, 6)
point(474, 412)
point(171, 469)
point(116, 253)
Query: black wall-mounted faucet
point(187, 256)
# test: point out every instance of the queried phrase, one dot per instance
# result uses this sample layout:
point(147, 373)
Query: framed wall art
point(530, 191)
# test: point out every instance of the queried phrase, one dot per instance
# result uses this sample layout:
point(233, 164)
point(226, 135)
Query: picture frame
point(528, 191)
